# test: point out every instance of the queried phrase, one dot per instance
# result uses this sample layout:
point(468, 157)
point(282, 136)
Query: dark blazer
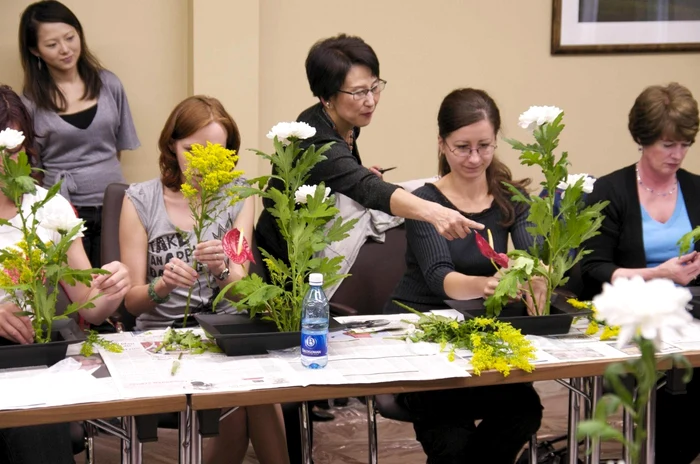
point(620, 243)
point(342, 171)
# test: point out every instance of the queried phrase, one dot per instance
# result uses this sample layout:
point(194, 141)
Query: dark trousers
point(92, 237)
point(444, 422)
point(676, 435)
point(290, 411)
point(37, 444)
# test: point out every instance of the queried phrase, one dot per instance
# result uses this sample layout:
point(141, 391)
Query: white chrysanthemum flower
point(648, 308)
point(305, 190)
point(61, 223)
point(571, 180)
point(10, 138)
point(291, 130)
point(538, 115)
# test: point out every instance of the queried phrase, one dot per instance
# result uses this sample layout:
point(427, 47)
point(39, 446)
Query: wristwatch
point(224, 274)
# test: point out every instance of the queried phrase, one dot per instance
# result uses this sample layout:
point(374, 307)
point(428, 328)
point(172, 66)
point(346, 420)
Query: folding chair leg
point(372, 429)
point(532, 451)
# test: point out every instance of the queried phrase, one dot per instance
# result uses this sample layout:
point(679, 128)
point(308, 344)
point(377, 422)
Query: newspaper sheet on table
point(70, 383)
point(141, 371)
point(364, 356)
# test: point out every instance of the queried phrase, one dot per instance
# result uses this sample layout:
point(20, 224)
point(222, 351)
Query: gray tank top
point(164, 243)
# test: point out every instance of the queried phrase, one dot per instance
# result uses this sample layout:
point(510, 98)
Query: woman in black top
point(471, 184)
point(652, 204)
point(343, 73)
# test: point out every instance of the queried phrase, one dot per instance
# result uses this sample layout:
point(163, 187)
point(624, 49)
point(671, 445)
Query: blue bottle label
point(313, 345)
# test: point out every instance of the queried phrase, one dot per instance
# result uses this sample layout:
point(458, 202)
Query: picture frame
point(625, 26)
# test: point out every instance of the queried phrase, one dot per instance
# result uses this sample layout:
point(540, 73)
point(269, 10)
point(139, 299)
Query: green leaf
point(506, 290)
point(240, 192)
point(687, 241)
point(600, 430)
point(680, 361)
point(255, 290)
point(608, 405)
point(339, 230)
point(614, 374)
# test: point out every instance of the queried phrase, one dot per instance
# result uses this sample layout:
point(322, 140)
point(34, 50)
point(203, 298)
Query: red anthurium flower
point(487, 250)
point(236, 247)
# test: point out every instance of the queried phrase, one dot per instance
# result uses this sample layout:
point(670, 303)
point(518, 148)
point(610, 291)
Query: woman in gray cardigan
point(80, 112)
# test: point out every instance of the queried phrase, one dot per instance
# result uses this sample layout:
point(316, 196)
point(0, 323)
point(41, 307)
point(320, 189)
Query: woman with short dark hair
point(652, 204)
point(343, 73)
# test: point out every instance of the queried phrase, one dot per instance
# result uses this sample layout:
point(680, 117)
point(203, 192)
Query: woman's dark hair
point(39, 86)
point(14, 114)
point(329, 61)
point(188, 117)
point(664, 111)
point(463, 107)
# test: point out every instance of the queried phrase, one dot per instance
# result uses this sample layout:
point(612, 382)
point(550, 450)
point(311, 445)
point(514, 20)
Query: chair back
point(111, 211)
point(374, 275)
point(109, 247)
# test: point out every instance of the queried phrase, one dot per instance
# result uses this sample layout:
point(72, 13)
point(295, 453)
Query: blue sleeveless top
point(660, 239)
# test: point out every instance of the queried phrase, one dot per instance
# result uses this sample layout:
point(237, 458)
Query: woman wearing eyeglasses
point(652, 204)
point(343, 73)
point(438, 269)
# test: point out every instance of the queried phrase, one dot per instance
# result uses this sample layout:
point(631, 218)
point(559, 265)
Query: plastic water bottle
point(314, 325)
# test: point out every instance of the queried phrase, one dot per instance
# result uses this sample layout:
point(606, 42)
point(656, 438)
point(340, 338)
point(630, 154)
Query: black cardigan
point(342, 171)
point(620, 243)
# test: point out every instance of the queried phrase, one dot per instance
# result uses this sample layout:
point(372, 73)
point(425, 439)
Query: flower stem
point(532, 295)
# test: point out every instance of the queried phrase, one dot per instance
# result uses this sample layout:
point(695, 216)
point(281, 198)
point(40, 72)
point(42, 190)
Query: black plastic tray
point(63, 333)
point(239, 334)
point(557, 322)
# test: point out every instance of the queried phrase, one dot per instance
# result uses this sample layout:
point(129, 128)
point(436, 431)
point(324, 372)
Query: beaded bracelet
point(152, 292)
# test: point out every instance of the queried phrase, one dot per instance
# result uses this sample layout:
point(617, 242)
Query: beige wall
point(250, 54)
point(427, 49)
point(142, 42)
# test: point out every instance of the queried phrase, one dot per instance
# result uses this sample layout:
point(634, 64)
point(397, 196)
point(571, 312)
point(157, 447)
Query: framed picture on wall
point(614, 26)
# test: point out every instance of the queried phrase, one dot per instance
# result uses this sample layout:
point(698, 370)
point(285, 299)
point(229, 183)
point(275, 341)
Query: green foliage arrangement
point(32, 269)
point(306, 217)
point(558, 230)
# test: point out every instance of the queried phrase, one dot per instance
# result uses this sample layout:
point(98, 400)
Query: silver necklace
point(651, 190)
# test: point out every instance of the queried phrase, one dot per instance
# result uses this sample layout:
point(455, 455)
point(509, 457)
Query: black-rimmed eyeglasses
point(362, 94)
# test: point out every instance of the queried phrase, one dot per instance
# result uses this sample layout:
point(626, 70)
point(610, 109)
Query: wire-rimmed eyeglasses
point(362, 94)
point(463, 151)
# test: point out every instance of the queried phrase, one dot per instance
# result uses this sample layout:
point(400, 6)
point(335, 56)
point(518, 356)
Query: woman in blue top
point(80, 112)
point(652, 204)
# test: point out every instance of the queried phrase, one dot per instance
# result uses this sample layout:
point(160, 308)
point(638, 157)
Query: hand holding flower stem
point(209, 169)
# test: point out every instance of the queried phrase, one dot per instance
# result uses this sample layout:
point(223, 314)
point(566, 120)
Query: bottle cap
point(316, 278)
